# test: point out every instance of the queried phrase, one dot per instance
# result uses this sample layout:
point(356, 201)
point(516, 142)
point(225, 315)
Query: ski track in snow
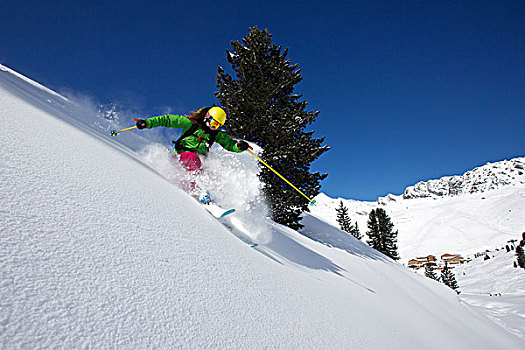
point(466, 225)
point(496, 288)
point(100, 250)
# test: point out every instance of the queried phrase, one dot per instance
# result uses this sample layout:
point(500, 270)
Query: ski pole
point(312, 201)
point(115, 133)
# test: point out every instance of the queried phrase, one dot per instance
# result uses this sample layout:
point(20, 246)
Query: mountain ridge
point(491, 176)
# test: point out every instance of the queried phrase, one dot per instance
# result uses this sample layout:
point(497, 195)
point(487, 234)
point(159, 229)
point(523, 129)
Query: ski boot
point(205, 198)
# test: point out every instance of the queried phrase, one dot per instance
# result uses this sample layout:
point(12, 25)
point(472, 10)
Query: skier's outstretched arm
point(230, 144)
point(168, 121)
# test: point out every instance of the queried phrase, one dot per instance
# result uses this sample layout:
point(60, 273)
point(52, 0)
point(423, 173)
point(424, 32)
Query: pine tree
point(373, 233)
point(343, 219)
point(381, 234)
point(521, 256)
point(520, 252)
point(430, 273)
point(356, 232)
point(262, 108)
point(449, 279)
point(390, 237)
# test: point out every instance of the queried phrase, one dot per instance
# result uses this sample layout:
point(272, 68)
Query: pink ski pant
point(192, 163)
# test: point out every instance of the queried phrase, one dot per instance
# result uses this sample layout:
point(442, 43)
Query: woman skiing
point(199, 131)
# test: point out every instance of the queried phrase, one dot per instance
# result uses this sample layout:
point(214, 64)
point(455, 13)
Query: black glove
point(242, 145)
point(141, 124)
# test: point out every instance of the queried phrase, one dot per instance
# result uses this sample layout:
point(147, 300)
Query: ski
point(218, 212)
point(223, 216)
point(227, 212)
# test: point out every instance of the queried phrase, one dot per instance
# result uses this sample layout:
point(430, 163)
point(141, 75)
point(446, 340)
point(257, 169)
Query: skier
point(200, 130)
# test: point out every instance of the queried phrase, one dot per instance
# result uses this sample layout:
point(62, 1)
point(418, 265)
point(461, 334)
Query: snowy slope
point(485, 211)
point(100, 250)
point(496, 288)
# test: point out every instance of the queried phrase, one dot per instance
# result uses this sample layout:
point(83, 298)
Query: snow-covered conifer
point(520, 252)
point(381, 234)
point(449, 279)
point(356, 232)
point(263, 108)
point(430, 273)
point(343, 219)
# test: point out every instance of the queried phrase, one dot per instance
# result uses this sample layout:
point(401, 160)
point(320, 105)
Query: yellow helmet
point(217, 114)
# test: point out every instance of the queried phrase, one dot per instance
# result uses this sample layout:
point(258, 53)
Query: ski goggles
point(214, 124)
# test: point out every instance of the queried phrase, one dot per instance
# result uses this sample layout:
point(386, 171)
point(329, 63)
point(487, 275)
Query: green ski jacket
point(198, 141)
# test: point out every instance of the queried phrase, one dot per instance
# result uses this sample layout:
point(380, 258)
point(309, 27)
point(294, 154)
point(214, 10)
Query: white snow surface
point(100, 248)
point(496, 288)
point(454, 224)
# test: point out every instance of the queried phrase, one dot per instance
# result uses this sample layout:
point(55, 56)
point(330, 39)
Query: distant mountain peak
point(490, 176)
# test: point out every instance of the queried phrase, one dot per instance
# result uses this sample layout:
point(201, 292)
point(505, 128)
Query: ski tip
point(312, 203)
point(227, 212)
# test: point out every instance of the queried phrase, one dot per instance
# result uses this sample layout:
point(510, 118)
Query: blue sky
point(407, 90)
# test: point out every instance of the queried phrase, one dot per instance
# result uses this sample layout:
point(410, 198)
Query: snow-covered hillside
point(100, 250)
point(496, 288)
point(486, 209)
point(479, 210)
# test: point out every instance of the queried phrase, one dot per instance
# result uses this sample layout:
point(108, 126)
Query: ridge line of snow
point(32, 82)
